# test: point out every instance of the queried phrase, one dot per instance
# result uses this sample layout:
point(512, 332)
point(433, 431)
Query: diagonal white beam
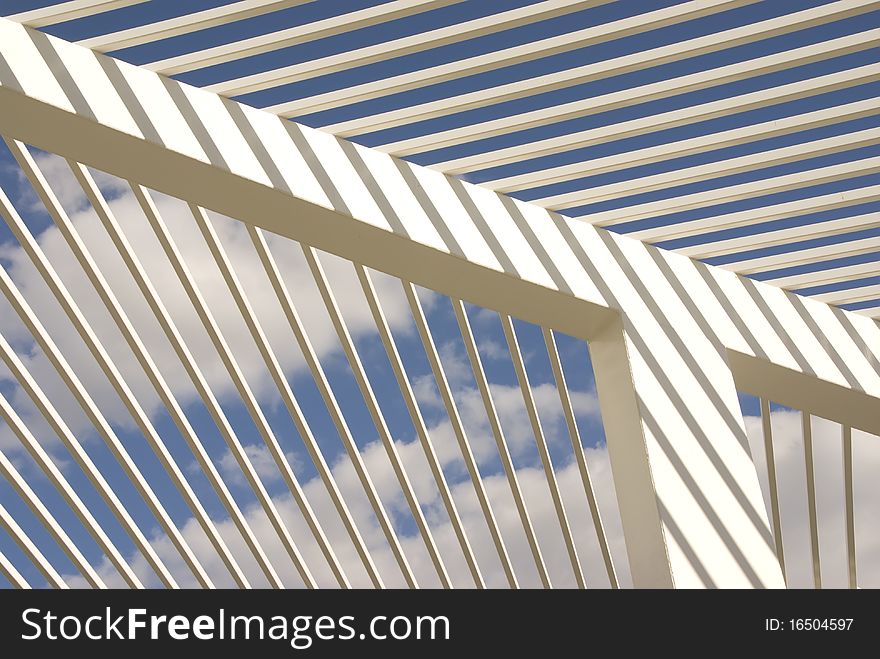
point(578, 450)
point(690, 114)
point(191, 22)
point(522, 377)
point(42, 402)
point(757, 215)
point(821, 277)
point(111, 302)
point(418, 421)
point(195, 296)
point(850, 295)
point(311, 357)
point(676, 177)
point(568, 41)
point(470, 345)
point(805, 256)
point(138, 272)
point(369, 396)
point(506, 57)
point(782, 236)
point(70, 497)
point(701, 144)
point(478, 27)
point(68, 11)
point(7, 521)
point(11, 573)
point(662, 327)
point(94, 414)
point(589, 73)
point(328, 27)
point(111, 371)
point(428, 343)
point(761, 187)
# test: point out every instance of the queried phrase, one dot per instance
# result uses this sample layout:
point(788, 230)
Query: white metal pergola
point(672, 338)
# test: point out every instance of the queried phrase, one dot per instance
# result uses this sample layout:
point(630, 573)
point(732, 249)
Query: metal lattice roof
point(740, 132)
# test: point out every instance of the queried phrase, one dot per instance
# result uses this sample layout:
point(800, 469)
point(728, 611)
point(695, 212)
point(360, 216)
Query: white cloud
point(508, 400)
point(828, 467)
point(261, 459)
point(200, 262)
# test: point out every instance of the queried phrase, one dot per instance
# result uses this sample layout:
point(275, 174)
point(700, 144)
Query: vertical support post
point(850, 513)
point(807, 424)
point(770, 457)
point(688, 493)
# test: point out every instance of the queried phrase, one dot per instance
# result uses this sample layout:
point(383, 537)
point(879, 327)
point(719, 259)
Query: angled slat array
point(532, 133)
point(265, 561)
point(186, 23)
point(816, 502)
point(784, 195)
point(68, 11)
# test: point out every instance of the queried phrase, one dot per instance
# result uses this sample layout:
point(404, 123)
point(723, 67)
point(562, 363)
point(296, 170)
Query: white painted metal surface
point(671, 339)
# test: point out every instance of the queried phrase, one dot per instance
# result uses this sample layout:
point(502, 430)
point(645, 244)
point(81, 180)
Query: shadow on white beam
point(672, 338)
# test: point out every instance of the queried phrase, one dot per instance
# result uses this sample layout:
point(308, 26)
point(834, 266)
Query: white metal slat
point(11, 573)
point(540, 11)
point(712, 170)
point(327, 27)
point(580, 108)
point(195, 297)
point(369, 397)
point(458, 428)
point(418, 421)
point(580, 458)
point(68, 11)
point(72, 311)
point(665, 120)
point(90, 408)
point(185, 24)
point(503, 58)
point(522, 377)
point(82, 513)
point(42, 402)
point(691, 146)
point(500, 442)
point(28, 547)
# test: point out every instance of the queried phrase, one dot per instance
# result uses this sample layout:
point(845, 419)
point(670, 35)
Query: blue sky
point(157, 10)
point(490, 338)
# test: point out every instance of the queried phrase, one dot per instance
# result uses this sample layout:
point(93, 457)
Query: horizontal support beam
point(786, 387)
